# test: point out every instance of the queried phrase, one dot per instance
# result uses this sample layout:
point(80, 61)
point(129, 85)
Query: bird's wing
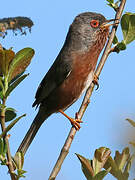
point(58, 72)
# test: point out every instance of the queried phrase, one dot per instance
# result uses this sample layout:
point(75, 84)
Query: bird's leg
point(75, 122)
point(95, 81)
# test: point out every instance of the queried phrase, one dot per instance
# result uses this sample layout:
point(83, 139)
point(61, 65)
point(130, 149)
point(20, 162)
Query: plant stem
point(3, 127)
point(88, 94)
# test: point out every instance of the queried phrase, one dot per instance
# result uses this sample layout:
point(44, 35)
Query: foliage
point(127, 26)
point(18, 161)
point(119, 167)
point(113, 4)
point(92, 169)
point(133, 124)
point(128, 30)
point(3, 151)
point(12, 68)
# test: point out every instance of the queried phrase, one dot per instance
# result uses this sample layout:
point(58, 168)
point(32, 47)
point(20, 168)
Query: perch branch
point(86, 100)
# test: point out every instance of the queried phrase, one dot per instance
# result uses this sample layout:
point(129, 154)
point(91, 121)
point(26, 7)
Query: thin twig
point(88, 94)
point(5, 138)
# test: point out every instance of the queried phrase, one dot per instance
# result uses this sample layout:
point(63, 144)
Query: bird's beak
point(107, 25)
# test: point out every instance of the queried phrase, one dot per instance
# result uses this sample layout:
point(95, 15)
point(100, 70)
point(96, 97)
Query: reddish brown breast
point(72, 87)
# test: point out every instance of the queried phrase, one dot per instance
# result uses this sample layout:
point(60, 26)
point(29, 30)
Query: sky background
point(104, 121)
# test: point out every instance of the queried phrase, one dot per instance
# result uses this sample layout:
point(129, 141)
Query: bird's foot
point(75, 122)
point(95, 81)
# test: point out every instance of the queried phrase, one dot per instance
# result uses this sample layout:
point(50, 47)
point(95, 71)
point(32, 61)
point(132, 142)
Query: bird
point(72, 71)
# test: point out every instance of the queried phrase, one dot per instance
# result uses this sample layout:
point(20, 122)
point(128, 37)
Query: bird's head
point(87, 30)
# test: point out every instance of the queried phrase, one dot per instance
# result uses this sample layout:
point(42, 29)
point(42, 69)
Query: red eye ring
point(94, 23)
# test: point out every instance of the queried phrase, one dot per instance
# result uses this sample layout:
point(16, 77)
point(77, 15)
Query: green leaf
point(1, 84)
point(19, 160)
point(100, 157)
point(9, 114)
point(21, 173)
point(115, 40)
point(20, 62)
point(125, 25)
point(109, 4)
point(5, 149)
point(101, 174)
point(128, 27)
point(1, 146)
point(14, 79)
point(6, 56)
point(120, 165)
point(11, 125)
point(3, 162)
point(111, 163)
point(128, 165)
point(86, 167)
point(120, 46)
point(1, 95)
point(110, 1)
point(15, 84)
point(2, 106)
point(113, 5)
point(131, 122)
point(91, 169)
point(121, 159)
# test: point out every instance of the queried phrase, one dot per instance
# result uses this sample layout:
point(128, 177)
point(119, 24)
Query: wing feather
point(58, 72)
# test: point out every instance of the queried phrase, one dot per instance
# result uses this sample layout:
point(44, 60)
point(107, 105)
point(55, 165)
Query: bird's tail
point(36, 124)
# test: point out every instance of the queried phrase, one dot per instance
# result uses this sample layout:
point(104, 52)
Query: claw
point(75, 122)
point(95, 81)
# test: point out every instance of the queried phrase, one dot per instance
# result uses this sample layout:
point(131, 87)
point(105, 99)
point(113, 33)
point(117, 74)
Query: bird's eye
point(94, 23)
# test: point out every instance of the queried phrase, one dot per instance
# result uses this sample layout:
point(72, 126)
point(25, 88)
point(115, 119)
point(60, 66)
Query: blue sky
point(104, 121)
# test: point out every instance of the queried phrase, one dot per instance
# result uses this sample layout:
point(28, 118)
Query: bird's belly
point(68, 92)
point(87, 82)
point(73, 88)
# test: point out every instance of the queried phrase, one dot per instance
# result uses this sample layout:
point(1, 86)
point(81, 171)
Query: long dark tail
point(36, 124)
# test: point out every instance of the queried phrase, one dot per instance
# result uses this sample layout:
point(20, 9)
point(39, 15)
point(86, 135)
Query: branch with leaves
point(118, 167)
point(12, 67)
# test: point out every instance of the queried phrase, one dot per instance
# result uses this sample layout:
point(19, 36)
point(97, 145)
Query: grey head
point(86, 30)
